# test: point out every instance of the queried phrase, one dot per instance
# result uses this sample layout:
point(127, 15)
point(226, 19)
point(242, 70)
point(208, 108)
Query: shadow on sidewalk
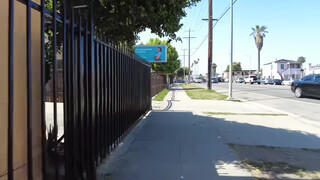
point(175, 144)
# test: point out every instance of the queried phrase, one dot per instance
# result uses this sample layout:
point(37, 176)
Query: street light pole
point(231, 51)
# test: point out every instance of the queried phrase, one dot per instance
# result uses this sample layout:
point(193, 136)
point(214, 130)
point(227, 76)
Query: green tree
point(236, 66)
point(180, 72)
point(301, 59)
point(172, 64)
point(258, 35)
point(122, 20)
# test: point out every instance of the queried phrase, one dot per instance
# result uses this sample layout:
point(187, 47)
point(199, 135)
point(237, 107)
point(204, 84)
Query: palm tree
point(301, 59)
point(214, 69)
point(258, 35)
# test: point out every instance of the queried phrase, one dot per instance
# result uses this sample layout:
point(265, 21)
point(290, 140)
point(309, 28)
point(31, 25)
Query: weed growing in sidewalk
point(160, 96)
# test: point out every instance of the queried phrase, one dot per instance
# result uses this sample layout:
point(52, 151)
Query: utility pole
point(184, 62)
point(210, 46)
point(209, 85)
point(189, 55)
point(231, 51)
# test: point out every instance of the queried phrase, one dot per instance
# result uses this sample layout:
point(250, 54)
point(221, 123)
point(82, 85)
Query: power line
point(220, 17)
point(198, 17)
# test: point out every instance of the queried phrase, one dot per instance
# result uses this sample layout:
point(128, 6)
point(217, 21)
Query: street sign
point(152, 53)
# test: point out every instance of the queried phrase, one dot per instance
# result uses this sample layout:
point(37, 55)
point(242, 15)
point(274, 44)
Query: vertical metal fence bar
point(54, 82)
point(86, 107)
point(70, 143)
point(115, 60)
point(75, 140)
point(54, 51)
point(65, 86)
point(101, 103)
point(112, 94)
point(109, 96)
point(29, 94)
point(100, 137)
point(106, 100)
point(122, 94)
point(10, 90)
point(103, 75)
point(117, 94)
point(66, 90)
point(126, 92)
point(80, 95)
point(97, 102)
point(43, 94)
point(91, 93)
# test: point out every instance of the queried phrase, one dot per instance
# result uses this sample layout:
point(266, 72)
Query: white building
point(312, 69)
point(282, 69)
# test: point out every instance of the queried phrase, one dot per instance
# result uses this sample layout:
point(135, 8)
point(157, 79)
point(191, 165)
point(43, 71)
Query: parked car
point(266, 81)
point(226, 80)
point(307, 86)
point(220, 79)
point(287, 82)
point(277, 82)
point(240, 80)
point(251, 79)
point(214, 80)
point(198, 80)
point(180, 81)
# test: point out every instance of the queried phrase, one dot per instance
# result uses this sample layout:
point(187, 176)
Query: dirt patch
point(269, 162)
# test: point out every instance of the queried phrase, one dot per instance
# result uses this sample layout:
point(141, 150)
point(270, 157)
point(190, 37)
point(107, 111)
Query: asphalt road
point(276, 96)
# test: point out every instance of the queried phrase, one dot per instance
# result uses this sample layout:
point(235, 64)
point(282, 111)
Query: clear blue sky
point(293, 25)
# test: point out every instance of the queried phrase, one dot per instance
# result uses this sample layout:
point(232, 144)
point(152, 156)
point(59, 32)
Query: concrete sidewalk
point(186, 143)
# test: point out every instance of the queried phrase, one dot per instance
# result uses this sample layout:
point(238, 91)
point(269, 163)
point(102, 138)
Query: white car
point(198, 80)
point(251, 79)
point(287, 82)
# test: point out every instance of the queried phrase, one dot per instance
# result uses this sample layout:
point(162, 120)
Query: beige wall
point(36, 93)
point(3, 86)
point(20, 91)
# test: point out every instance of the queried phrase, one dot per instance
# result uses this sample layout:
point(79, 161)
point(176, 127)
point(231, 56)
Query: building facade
point(282, 69)
point(312, 69)
point(241, 73)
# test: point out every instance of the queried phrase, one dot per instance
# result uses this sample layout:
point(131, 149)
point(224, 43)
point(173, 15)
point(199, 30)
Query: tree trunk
point(258, 64)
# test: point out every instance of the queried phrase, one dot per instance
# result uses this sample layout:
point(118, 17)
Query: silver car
point(240, 80)
point(266, 81)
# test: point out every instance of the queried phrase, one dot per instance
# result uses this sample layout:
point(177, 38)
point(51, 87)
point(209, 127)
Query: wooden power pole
point(189, 55)
point(210, 46)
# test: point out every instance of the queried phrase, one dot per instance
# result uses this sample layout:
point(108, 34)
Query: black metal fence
point(105, 91)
